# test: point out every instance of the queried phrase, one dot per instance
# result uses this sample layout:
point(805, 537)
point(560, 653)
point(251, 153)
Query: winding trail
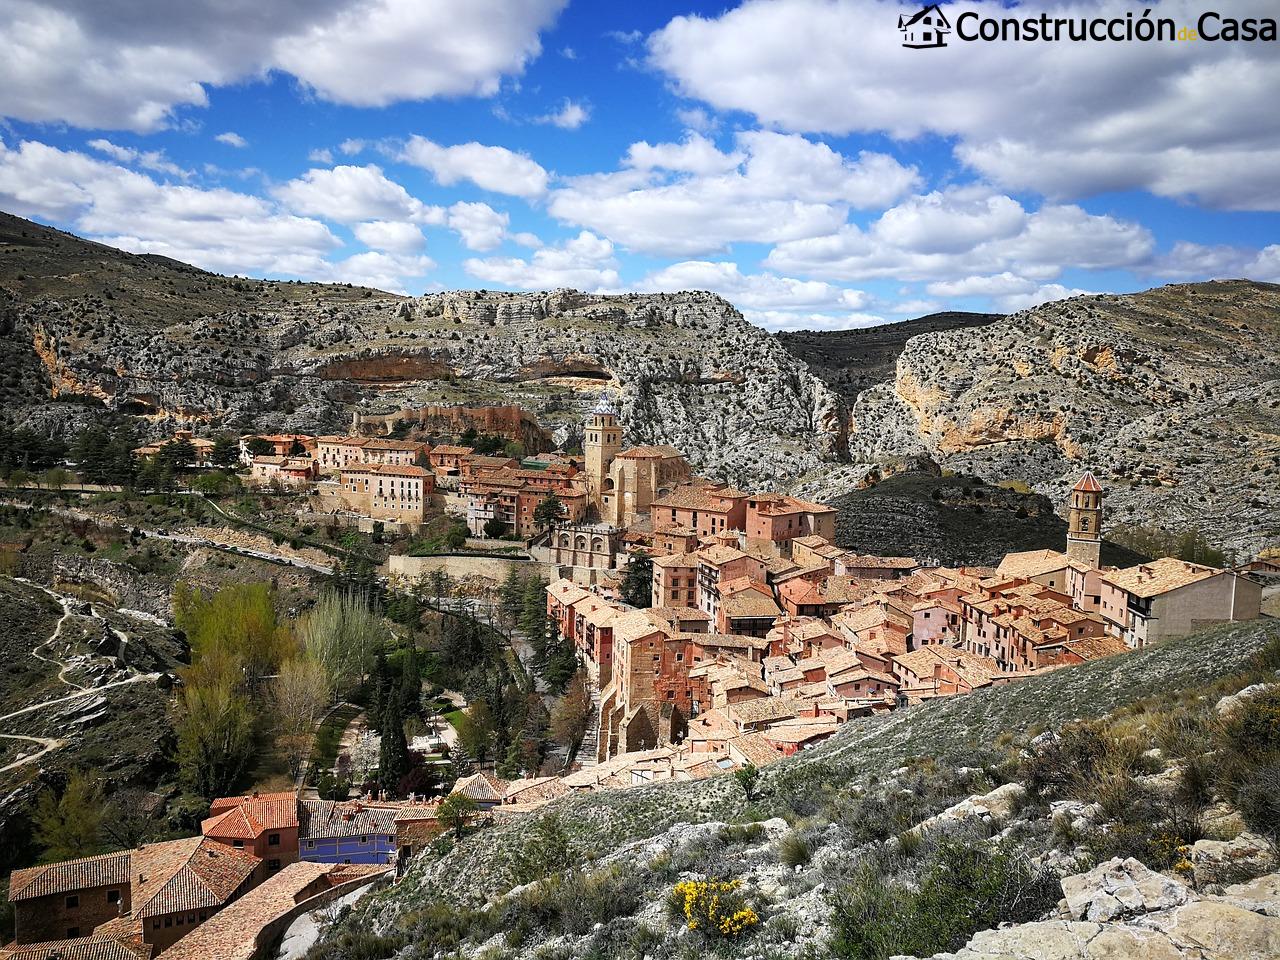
point(49, 744)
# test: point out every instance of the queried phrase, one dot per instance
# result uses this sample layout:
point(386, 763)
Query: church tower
point(601, 442)
point(1084, 523)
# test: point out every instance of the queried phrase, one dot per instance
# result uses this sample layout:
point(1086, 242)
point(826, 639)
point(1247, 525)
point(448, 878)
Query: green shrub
point(1249, 762)
point(793, 850)
point(963, 888)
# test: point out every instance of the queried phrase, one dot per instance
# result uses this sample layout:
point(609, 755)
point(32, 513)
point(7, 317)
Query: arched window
point(564, 541)
point(597, 545)
point(580, 543)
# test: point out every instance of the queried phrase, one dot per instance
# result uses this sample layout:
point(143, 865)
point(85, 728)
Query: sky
point(791, 155)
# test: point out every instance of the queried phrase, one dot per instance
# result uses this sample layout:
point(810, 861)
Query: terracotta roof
point(104, 870)
point(448, 450)
point(250, 817)
point(188, 874)
point(233, 933)
point(972, 668)
point(755, 749)
point(1159, 576)
point(659, 452)
point(871, 562)
point(700, 498)
point(749, 604)
point(1088, 484)
point(481, 787)
point(1095, 648)
point(676, 560)
point(405, 445)
point(408, 812)
point(326, 819)
point(720, 554)
point(1031, 563)
point(81, 948)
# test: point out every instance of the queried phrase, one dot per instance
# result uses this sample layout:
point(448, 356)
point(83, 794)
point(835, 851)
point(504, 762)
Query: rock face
point(1122, 909)
point(1171, 396)
point(179, 345)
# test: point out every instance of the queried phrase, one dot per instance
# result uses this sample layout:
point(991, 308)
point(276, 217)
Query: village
point(758, 638)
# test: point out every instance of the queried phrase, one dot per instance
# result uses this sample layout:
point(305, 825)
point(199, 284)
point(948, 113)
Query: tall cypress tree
point(393, 750)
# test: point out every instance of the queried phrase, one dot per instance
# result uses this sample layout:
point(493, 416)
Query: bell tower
point(1084, 522)
point(602, 439)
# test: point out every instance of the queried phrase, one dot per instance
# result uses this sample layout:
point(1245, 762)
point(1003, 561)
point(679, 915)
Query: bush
point(963, 888)
point(793, 850)
point(716, 908)
point(1249, 756)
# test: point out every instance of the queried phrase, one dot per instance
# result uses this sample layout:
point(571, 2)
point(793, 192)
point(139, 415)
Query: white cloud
point(351, 146)
point(217, 229)
point(1195, 261)
point(786, 320)
point(960, 233)
point(570, 116)
point(391, 236)
point(763, 291)
point(349, 194)
point(111, 64)
point(384, 271)
point(1000, 284)
point(479, 225)
point(1044, 294)
point(585, 262)
point(232, 139)
point(147, 159)
point(492, 168)
point(670, 199)
point(321, 155)
point(1186, 120)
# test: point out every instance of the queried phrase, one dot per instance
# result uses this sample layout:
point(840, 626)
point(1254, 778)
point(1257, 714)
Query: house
point(940, 671)
point(675, 580)
point(591, 545)
point(485, 789)
point(333, 453)
point(1048, 567)
point(746, 608)
point(445, 462)
point(68, 900)
point(386, 491)
point(774, 518)
point(353, 831)
point(292, 472)
point(721, 564)
point(202, 449)
point(703, 508)
point(1169, 598)
point(265, 825)
point(399, 453)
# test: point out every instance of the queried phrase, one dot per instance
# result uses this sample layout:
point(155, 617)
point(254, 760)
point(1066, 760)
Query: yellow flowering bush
point(715, 907)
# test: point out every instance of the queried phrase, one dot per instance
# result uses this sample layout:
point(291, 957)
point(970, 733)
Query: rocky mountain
point(851, 361)
point(1171, 396)
point(162, 339)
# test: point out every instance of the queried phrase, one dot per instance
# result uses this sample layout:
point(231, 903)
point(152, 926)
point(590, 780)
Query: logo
point(928, 28)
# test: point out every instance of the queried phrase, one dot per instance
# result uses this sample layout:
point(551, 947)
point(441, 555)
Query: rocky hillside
point(88, 324)
point(911, 831)
point(851, 361)
point(1171, 396)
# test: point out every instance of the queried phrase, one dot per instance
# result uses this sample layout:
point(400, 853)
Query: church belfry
point(602, 439)
point(1084, 522)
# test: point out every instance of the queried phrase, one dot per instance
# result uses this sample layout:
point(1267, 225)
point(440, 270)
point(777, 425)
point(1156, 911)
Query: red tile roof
point(105, 870)
point(1088, 484)
point(188, 874)
point(81, 948)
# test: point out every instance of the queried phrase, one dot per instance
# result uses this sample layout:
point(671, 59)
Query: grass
point(324, 750)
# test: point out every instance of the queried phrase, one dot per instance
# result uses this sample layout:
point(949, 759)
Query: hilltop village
point(717, 629)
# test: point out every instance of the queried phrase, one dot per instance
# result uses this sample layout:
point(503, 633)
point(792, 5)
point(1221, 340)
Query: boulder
point(1121, 888)
point(1260, 896)
point(994, 807)
point(1227, 706)
point(1222, 861)
point(1209, 930)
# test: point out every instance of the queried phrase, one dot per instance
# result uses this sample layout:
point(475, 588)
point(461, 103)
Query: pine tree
point(512, 597)
point(381, 683)
point(411, 683)
point(637, 583)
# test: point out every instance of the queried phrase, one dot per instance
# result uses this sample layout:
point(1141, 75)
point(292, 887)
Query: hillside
point(1171, 396)
point(591, 872)
point(88, 324)
point(954, 520)
point(851, 361)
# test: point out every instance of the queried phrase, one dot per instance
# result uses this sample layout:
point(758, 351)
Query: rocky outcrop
point(1172, 397)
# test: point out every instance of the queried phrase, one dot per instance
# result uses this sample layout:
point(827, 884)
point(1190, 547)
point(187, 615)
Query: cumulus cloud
point(1046, 293)
point(147, 159)
point(570, 116)
point(1186, 120)
point(479, 226)
point(384, 271)
point(786, 320)
point(232, 139)
point(585, 262)
point(492, 168)
point(350, 194)
point(959, 233)
point(217, 229)
point(690, 198)
point(763, 291)
point(114, 64)
point(390, 236)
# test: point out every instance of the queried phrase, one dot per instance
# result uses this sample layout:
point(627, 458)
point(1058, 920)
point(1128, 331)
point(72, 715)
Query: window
point(238, 844)
point(168, 921)
point(364, 839)
point(311, 844)
point(73, 901)
point(155, 924)
point(273, 839)
point(273, 864)
point(191, 919)
point(113, 896)
point(178, 920)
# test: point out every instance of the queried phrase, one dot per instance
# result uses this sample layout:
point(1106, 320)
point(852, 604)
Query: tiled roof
point(870, 562)
point(749, 604)
point(105, 870)
point(719, 555)
point(676, 560)
point(1031, 563)
point(251, 816)
point(188, 874)
point(447, 450)
point(327, 819)
point(1095, 648)
point(970, 667)
point(660, 452)
point(233, 933)
point(700, 498)
point(1088, 484)
point(481, 787)
point(1158, 576)
point(755, 749)
point(81, 948)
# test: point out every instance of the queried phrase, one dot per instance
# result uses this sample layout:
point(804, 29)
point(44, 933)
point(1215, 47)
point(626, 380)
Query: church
point(622, 484)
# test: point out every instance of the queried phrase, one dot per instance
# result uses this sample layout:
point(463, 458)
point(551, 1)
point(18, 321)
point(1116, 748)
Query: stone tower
point(601, 442)
point(1084, 523)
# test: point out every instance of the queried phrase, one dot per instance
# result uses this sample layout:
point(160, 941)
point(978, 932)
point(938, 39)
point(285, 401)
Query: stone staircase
point(589, 748)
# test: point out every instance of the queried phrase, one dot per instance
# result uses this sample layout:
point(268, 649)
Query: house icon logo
point(928, 28)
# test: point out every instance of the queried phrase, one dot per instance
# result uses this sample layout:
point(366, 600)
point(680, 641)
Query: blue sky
point(789, 154)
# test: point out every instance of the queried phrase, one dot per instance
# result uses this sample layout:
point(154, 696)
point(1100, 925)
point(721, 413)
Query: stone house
point(774, 518)
point(704, 508)
point(265, 825)
point(675, 580)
